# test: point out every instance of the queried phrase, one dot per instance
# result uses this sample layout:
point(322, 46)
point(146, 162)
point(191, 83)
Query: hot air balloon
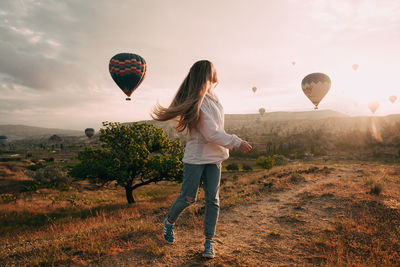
point(89, 132)
point(254, 89)
point(293, 63)
point(373, 106)
point(261, 111)
point(315, 86)
point(355, 66)
point(3, 139)
point(392, 98)
point(128, 71)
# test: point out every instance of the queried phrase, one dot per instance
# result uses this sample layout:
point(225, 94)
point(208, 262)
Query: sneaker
point(168, 232)
point(208, 249)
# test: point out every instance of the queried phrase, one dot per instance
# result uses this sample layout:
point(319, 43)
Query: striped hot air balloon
point(128, 71)
point(315, 86)
point(89, 132)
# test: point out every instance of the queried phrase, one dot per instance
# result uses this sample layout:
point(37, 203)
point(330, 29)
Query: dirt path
point(271, 232)
point(265, 233)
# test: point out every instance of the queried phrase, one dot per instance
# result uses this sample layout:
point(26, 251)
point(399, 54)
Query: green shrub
point(32, 187)
point(232, 167)
point(7, 198)
point(51, 159)
point(50, 176)
point(247, 167)
point(280, 160)
point(35, 167)
point(376, 189)
point(266, 162)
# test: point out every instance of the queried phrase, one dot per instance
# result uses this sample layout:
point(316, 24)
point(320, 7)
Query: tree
point(132, 155)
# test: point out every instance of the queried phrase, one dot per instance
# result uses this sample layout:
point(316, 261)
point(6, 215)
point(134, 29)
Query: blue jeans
point(192, 174)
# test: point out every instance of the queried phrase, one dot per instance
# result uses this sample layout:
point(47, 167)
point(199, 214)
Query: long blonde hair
point(185, 107)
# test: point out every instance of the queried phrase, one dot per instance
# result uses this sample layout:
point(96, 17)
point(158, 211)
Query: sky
point(54, 55)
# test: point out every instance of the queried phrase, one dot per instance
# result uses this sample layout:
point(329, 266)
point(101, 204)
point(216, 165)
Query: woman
point(197, 108)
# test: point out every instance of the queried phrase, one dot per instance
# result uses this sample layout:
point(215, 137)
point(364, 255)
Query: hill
point(285, 123)
point(249, 125)
point(318, 133)
point(286, 115)
point(283, 127)
point(17, 132)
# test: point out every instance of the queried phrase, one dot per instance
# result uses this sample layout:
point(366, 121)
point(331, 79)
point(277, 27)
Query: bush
point(7, 198)
point(280, 160)
point(51, 176)
point(296, 178)
point(376, 189)
point(51, 159)
point(266, 162)
point(232, 167)
point(35, 167)
point(247, 167)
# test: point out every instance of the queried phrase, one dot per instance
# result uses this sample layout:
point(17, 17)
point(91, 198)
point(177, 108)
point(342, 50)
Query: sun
point(366, 84)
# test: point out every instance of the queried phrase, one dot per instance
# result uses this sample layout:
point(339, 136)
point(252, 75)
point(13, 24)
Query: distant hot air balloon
point(3, 139)
point(128, 71)
point(355, 66)
point(373, 106)
point(315, 86)
point(89, 132)
point(293, 63)
point(261, 111)
point(392, 98)
point(254, 89)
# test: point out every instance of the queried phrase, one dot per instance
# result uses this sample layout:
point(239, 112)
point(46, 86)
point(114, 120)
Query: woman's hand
point(245, 146)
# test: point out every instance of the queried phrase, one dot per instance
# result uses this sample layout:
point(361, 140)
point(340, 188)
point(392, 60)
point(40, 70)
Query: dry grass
point(366, 231)
point(86, 225)
point(49, 227)
point(367, 237)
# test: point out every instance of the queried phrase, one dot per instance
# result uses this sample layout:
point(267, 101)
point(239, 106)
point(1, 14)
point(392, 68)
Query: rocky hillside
point(17, 132)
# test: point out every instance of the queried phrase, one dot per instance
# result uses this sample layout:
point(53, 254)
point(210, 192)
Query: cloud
point(55, 53)
point(357, 17)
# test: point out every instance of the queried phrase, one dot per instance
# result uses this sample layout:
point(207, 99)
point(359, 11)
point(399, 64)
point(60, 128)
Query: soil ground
point(295, 226)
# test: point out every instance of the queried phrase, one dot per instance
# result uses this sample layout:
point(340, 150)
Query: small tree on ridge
point(132, 155)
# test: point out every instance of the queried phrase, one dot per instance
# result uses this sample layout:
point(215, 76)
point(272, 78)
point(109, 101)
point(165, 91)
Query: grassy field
point(84, 224)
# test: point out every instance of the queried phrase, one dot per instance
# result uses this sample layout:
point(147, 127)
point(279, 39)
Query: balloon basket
point(315, 108)
point(128, 99)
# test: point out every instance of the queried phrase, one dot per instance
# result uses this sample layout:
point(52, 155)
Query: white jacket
point(208, 142)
